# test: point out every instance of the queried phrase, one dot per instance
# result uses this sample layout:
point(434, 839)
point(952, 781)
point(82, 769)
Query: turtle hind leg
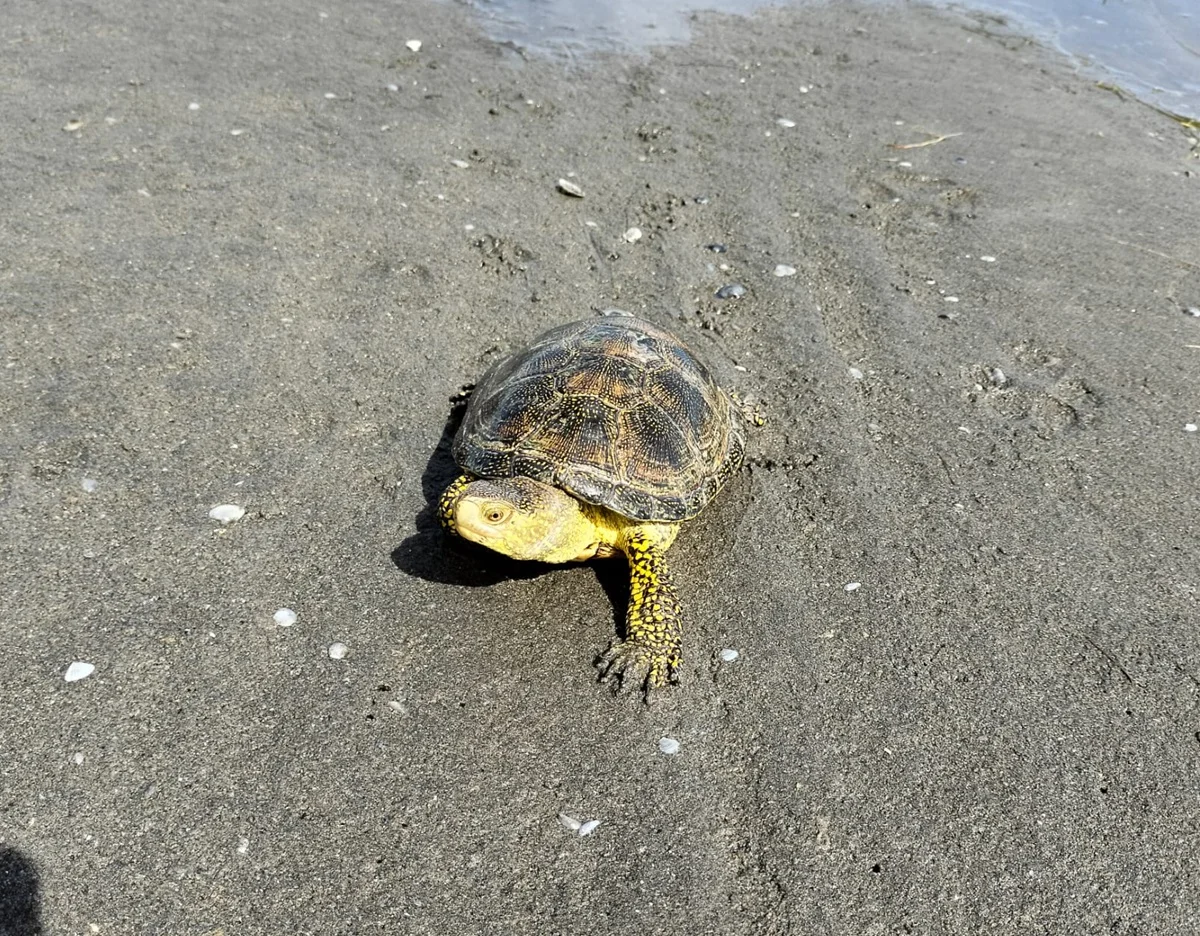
point(650, 655)
point(448, 501)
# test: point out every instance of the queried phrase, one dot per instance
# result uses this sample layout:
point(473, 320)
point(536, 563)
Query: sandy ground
point(269, 299)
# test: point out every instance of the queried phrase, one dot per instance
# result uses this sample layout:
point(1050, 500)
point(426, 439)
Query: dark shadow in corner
point(20, 901)
point(432, 555)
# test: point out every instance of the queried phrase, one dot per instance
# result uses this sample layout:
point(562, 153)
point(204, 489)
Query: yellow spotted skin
point(650, 655)
point(449, 499)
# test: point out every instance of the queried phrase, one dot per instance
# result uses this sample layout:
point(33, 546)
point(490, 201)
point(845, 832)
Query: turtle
point(599, 438)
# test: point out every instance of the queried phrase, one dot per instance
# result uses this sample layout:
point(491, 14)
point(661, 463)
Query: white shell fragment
point(414, 45)
point(986, 259)
point(567, 187)
point(78, 670)
point(668, 745)
point(853, 586)
point(285, 617)
point(338, 651)
point(728, 655)
point(72, 125)
point(460, 163)
point(227, 513)
point(1189, 427)
point(856, 373)
point(572, 824)
point(784, 122)
point(633, 235)
point(784, 270)
point(90, 485)
point(569, 822)
point(77, 757)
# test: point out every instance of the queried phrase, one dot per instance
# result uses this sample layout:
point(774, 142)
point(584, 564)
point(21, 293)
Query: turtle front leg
point(651, 652)
point(448, 501)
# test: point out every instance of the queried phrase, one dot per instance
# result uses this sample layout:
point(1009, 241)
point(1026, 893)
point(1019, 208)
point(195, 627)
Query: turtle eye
point(494, 513)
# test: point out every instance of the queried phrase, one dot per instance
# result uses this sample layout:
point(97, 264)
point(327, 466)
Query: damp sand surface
point(250, 253)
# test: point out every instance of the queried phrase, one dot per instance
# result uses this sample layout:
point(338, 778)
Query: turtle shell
point(615, 411)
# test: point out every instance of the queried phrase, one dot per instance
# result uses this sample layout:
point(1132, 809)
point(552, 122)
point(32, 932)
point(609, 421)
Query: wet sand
point(976, 385)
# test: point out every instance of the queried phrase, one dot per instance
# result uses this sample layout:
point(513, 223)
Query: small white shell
point(728, 655)
point(285, 617)
point(338, 651)
point(784, 269)
point(569, 822)
point(460, 163)
point(227, 513)
point(588, 827)
point(633, 235)
point(784, 122)
point(414, 45)
point(853, 586)
point(78, 670)
point(668, 745)
point(567, 187)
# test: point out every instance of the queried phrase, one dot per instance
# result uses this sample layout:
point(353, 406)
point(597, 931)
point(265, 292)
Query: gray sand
point(996, 733)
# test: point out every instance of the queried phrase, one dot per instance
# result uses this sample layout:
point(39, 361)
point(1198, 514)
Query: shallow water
point(1150, 47)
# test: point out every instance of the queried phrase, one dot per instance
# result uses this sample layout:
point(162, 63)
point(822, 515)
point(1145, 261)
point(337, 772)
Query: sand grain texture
point(996, 733)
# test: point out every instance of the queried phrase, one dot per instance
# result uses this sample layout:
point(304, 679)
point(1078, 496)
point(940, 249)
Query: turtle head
point(522, 518)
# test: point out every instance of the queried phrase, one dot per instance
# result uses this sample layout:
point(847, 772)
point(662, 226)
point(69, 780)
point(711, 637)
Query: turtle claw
point(629, 664)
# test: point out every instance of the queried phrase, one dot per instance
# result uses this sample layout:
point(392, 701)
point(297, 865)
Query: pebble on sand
point(784, 122)
point(285, 617)
point(633, 235)
point(784, 270)
point(1190, 427)
point(853, 586)
point(732, 291)
point(728, 655)
point(460, 163)
point(227, 513)
point(668, 745)
point(90, 485)
point(78, 670)
point(338, 651)
point(414, 45)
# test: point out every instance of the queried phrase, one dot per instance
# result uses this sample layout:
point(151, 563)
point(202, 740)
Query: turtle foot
point(634, 665)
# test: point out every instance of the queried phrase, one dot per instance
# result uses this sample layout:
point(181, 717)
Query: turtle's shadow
point(431, 554)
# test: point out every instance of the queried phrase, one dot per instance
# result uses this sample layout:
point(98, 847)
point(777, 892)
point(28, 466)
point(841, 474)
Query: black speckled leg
point(650, 655)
